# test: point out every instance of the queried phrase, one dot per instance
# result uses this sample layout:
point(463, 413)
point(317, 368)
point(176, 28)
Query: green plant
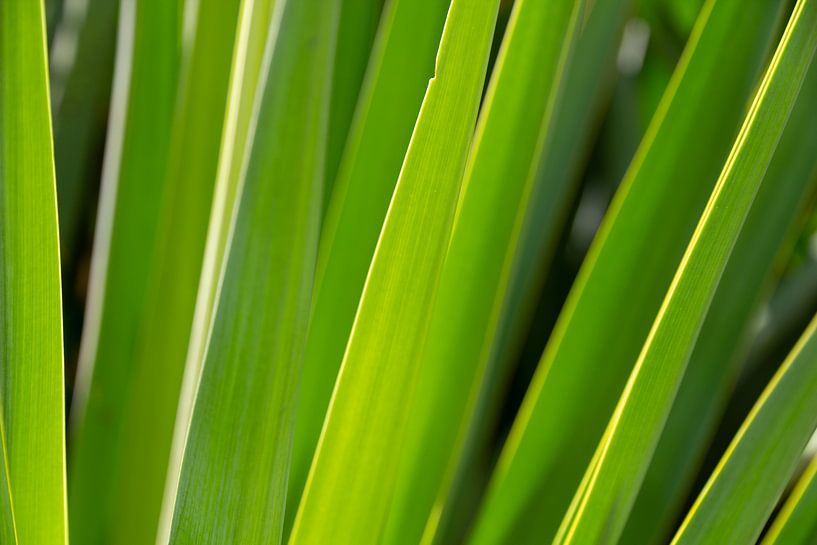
point(362, 271)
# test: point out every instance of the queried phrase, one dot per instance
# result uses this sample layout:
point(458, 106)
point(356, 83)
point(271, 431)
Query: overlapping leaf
point(402, 60)
point(629, 267)
point(744, 488)
point(516, 123)
point(134, 175)
point(251, 35)
point(796, 524)
point(716, 359)
point(234, 470)
point(354, 473)
point(158, 355)
point(32, 434)
point(603, 502)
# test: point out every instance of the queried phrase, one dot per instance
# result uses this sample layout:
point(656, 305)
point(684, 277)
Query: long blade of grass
point(81, 77)
point(139, 130)
point(588, 80)
point(515, 125)
point(31, 361)
point(629, 442)
point(134, 174)
point(619, 289)
point(157, 357)
point(251, 35)
point(796, 523)
point(354, 472)
point(715, 361)
point(753, 472)
point(356, 33)
point(401, 63)
point(588, 86)
point(80, 111)
point(53, 14)
point(233, 477)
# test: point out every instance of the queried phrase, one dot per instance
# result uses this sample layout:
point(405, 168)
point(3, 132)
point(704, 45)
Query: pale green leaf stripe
point(630, 439)
point(354, 472)
point(796, 524)
point(588, 80)
point(134, 174)
point(666, 189)
point(356, 33)
point(157, 357)
point(402, 60)
point(515, 124)
point(253, 25)
point(752, 474)
point(31, 363)
point(234, 470)
point(8, 533)
point(716, 359)
point(53, 15)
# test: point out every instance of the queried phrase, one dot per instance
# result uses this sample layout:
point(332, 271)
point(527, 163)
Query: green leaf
point(8, 533)
point(401, 63)
point(751, 476)
point(80, 112)
point(587, 88)
point(233, 476)
point(354, 472)
point(155, 206)
point(610, 485)
point(31, 362)
point(254, 22)
point(796, 524)
point(156, 360)
point(588, 78)
point(356, 32)
point(716, 359)
point(516, 123)
point(619, 289)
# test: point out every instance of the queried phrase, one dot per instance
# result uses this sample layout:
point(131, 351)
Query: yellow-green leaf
point(354, 472)
point(751, 476)
point(31, 362)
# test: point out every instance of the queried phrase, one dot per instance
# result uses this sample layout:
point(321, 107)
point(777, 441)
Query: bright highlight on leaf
point(31, 360)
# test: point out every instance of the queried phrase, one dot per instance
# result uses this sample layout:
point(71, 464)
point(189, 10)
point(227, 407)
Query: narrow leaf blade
point(355, 468)
point(633, 431)
point(31, 360)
